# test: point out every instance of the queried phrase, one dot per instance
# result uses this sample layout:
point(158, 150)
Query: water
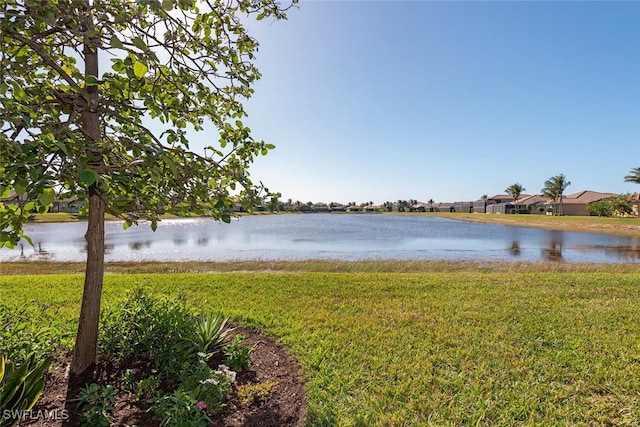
point(325, 236)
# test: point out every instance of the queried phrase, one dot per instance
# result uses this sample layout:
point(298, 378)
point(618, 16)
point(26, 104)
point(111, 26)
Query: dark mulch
point(285, 406)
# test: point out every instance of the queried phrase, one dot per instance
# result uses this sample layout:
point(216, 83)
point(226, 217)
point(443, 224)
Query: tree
point(515, 190)
point(611, 206)
point(67, 128)
point(554, 188)
point(634, 176)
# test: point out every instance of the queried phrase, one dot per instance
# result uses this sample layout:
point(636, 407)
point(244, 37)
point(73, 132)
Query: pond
point(325, 236)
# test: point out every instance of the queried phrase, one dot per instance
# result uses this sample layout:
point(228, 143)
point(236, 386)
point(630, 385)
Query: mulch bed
point(284, 406)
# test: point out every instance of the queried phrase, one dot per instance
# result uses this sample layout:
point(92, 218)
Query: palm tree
point(634, 176)
point(554, 188)
point(515, 190)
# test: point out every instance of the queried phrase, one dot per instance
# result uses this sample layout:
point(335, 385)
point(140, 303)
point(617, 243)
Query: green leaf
point(20, 188)
point(126, 224)
point(260, 17)
point(137, 42)
point(154, 224)
point(18, 92)
point(47, 197)
point(139, 69)
point(88, 177)
point(27, 238)
point(167, 4)
point(116, 43)
point(92, 81)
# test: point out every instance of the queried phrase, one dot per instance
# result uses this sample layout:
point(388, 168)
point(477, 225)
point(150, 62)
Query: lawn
point(583, 224)
point(447, 348)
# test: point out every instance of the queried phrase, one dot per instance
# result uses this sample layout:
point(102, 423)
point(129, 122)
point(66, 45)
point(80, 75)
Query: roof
point(585, 197)
point(530, 200)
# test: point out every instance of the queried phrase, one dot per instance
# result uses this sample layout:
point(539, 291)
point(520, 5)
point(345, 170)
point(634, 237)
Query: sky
point(386, 100)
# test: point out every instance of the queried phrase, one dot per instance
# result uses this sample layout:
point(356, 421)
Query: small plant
point(208, 385)
point(147, 387)
point(255, 392)
point(20, 387)
point(211, 333)
point(95, 404)
point(181, 409)
point(128, 379)
point(237, 354)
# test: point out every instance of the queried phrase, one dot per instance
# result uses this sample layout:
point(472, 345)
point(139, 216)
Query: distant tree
point(67, 127)
point(515, 190)
point(611, 206)
point(554, 189)
point(388, 206)
point(403, 205)
point(634, 176)
point(484, 197)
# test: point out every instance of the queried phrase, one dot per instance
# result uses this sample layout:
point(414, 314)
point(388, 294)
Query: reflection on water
point(39, 252)
point(515, 248)
point(343, 237)
point(136, 246)
point(553, 252)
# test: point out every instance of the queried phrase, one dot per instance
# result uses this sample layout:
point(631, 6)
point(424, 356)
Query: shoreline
point(318, 266)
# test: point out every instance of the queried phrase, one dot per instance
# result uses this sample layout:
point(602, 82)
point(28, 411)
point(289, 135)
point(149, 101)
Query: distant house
point(14, 199)
point(500, 208)
point(442, 207)
point(68, 205)
point(336, 207)
point(482, 205)
point(354, 208)
point(420, 207)
point(466, 207)
point(320, 207)
point(576, 203)
point(532, 204)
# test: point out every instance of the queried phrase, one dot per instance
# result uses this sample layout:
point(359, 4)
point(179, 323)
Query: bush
point(20, 387)
point(95, 405)
point(20, 336)
point(162, 331)
point(147, 328)
point(237, 354)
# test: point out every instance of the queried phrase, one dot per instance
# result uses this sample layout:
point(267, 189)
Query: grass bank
point(470, 347)
point(583, 224)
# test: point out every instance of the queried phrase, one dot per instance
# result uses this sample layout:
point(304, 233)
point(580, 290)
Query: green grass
point(583, 224)
point(403, 349)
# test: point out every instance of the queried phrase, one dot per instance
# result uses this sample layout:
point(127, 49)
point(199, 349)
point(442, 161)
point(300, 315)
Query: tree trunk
point(85, 349)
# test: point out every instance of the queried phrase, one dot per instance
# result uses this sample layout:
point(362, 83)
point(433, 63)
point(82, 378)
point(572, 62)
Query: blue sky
point(387, 100)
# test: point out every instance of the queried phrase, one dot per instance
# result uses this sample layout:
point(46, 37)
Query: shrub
point(20, 335)
point(255, 392)
point(181, 409)
point(20, 387)
point(211, 333)
point(237, 354)
point(95, 404)
point(146, 327)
